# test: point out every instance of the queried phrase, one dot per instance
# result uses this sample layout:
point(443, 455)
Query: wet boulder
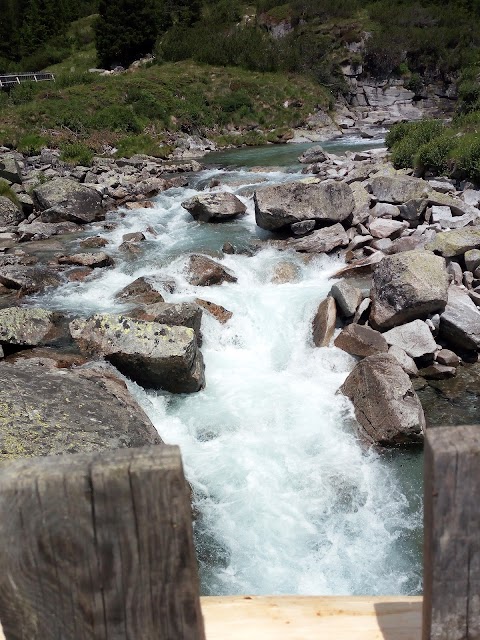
point(10, 213)
point(216, 310)
point(140, 291)
point(152, 354)
point(282, 205)
point(92, 260)
point(64, 200)
point(214, 207)
point(51, 411)
point(312, 155)
point(323, 325)
point(361, 341)
point(386, 406)
point(29, 327)
point(407, 286)
point(180, 314)
point(203, 272)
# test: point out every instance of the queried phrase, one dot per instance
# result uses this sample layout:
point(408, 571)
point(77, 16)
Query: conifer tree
point(125, 30)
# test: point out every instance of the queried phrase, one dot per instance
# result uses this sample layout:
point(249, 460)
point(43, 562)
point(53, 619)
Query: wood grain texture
point(452, 534)
point(312, 618)
point(98, 547)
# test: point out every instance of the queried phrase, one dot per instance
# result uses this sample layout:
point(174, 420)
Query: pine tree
point(126, 30)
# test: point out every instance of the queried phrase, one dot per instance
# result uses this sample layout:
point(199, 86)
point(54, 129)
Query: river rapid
point(287, 500)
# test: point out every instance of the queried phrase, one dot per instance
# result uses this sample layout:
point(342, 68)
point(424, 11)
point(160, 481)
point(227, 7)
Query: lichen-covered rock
point(323, 325)
point(358, 340)
point(153, 354)
point(460, 322)
point(10, 214)
point(399, 189)
point(214, 207)
point(140, 291)
point(407, 286)
point(282, 205)
point(386, 406)
point(180, 314)
point(456, 242)
point(50, 411)
point(29, 326)
point(203, 272)
point(67, 200)
point(321, 241)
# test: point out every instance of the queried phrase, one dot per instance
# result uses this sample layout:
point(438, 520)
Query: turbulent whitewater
point(286, 499)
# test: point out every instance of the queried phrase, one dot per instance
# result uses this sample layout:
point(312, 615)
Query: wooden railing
point(100, 547)
point(10, 80)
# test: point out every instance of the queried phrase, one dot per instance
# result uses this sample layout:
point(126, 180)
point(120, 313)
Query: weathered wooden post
point(98, 547)
point(451, 605)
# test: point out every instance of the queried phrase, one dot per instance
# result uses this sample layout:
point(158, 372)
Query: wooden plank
point(312, 618)
point(452, 534)
point(98, 547)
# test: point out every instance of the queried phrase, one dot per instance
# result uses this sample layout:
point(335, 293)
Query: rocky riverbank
point(406, 303)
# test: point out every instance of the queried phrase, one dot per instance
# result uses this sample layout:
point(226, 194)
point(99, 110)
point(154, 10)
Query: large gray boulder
point(44, 230)
point(10, 214)
point(361, 341)
point(456, 242)
point(29, 327)
point(313, 154)
point(9, 168)
point(347, 297)
point(63, 200)
point(386, 406)
point(321, 241)
point(460, 322)
point(153, 354)
point(180, 314)
point(214, 207)
point(399, 189)
point(407, 286)
point(282, 205)
point(50, 411)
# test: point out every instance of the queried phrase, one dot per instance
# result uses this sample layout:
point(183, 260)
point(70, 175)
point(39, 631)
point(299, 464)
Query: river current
point(287, 500)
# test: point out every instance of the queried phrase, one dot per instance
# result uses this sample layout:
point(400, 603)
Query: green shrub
point(405, 140)
point(117, 118)
point(146, 105)
point(7, 192)
point(466, 157)
point(434, 156)
point(142, 144)
point(77, 153)
point(31, 144)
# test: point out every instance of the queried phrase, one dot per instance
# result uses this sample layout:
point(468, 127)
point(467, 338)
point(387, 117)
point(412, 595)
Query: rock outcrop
point(387, 408)
point(152, 354)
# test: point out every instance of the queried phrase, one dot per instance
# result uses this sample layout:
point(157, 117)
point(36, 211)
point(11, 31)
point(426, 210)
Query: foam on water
point(287, 499)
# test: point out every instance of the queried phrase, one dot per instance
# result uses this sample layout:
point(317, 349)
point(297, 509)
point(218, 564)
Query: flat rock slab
point(415, 338)
point(386, 406)
point(456, 242)
point(282, 205)
point(321, 241)
point(361, 341)
point(214, 207)
point(407, 286)
point(94, 260)
point(46, 411)
point(460, 322)
point(152, 354)
point(398, 189)
point(68, 201)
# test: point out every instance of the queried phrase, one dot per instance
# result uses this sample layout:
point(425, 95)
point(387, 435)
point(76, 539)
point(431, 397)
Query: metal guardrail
point(12, 79)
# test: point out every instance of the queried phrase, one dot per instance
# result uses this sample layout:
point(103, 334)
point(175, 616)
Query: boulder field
point(405, 305)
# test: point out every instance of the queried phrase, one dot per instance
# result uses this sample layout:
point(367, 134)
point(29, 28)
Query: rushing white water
point(288, 500)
